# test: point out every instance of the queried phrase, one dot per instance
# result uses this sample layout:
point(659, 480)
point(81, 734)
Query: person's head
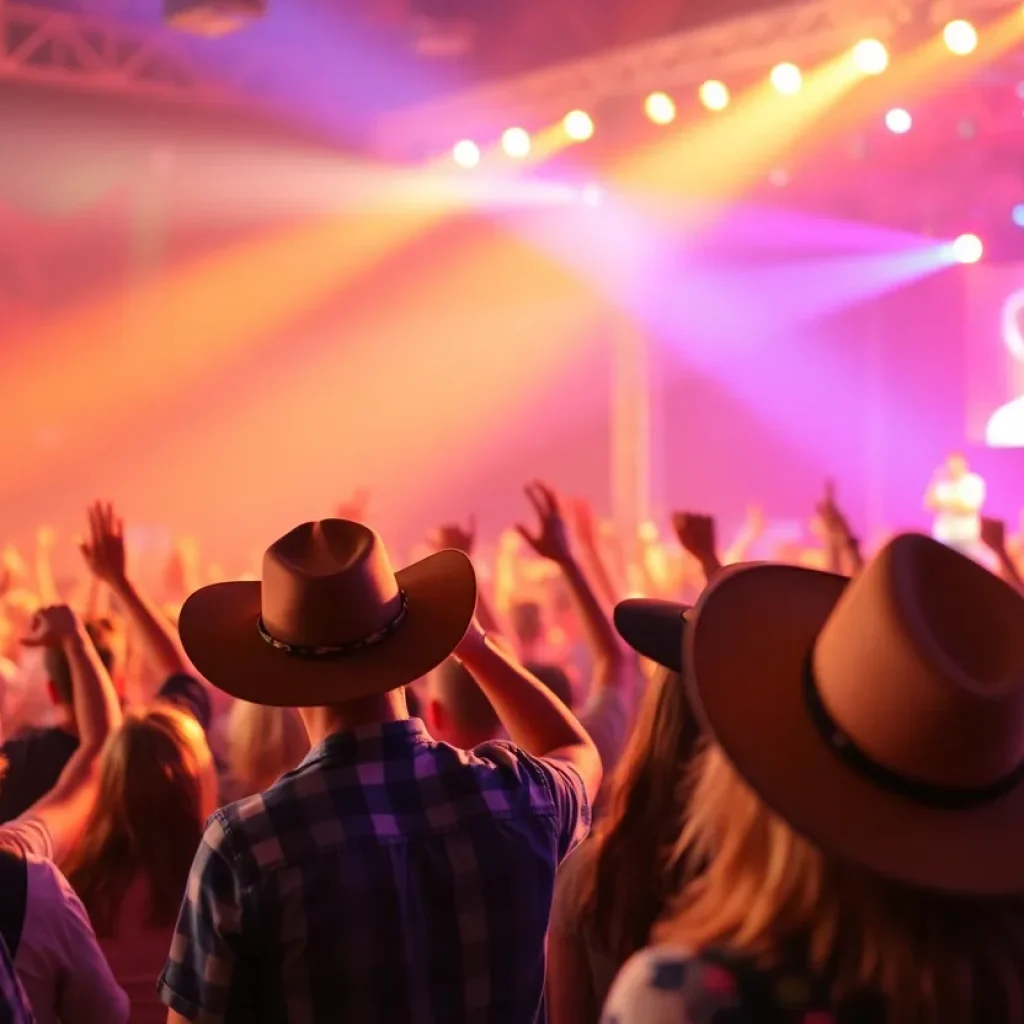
point(157, 787)
point(58, 670)
point(862, 792)
point(527, 622)
point(263, 743)
point(331, 628)
point(456, 709)
point(554, 677)
point(957, 465)
point(759, 885)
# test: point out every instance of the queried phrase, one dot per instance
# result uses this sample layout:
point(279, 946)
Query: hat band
point(927, 794)
point(336, 650)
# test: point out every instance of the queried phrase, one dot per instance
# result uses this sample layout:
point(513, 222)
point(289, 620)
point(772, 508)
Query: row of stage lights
point(870, 56)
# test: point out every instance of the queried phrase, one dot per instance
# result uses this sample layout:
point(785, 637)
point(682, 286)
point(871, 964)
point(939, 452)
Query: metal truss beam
point(78, 51)
point(732, 50)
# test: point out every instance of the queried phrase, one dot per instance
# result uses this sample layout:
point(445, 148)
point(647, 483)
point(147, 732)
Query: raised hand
point(103, 550)
point(551, 540)
point(50, 627)
point(452, 535)
point(697, 534)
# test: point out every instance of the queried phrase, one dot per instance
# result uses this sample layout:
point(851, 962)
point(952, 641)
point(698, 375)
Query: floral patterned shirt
point(664, 985)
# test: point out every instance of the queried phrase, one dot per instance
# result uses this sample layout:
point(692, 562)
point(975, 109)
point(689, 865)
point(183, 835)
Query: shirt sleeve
point(550, 781)
point(86, 990)
point(202, 974)
point(666, 986)
point(29, 836)
point(572, 805)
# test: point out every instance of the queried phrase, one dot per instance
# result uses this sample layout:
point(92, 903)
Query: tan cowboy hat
point(331, 620)
point(882, 717)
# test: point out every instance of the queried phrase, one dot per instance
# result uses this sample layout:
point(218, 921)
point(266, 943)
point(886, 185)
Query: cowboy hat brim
point(654, 629)
point(218, 629)
point(746, 645)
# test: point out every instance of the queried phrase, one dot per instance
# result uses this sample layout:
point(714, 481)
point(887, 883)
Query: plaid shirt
point(389, 879)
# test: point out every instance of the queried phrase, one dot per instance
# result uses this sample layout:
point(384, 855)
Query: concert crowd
point(567, 776)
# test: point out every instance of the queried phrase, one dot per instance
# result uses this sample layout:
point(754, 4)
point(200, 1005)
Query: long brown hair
point(630, 875)
point(755, 887)
point(156, 791)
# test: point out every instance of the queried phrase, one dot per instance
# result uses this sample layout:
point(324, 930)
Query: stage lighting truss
point(103, 53)
point(802, 33)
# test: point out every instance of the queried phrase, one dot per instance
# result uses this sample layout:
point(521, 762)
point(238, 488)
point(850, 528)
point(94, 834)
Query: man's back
point(389, 878)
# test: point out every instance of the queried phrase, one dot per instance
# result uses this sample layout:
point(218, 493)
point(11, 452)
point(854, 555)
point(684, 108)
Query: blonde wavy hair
point(752, 885)
point(157, 787)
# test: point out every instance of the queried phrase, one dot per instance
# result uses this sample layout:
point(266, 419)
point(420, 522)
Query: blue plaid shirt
point(389, 879)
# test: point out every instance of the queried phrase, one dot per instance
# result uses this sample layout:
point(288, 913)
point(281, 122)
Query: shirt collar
point(379, 741)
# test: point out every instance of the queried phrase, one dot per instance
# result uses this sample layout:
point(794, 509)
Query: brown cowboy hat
point(330, 621)
point(882, 717)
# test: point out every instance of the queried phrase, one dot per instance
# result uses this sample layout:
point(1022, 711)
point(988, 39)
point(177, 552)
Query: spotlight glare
point(578, 125)
point(714, 94)
point(787, 79)
point(870, 56)
point(660, 108)
point(899, 121)
point(1017, 215)
point(516, 143)
point(960, 37)
point(967, 249)
point(466, 154)
point(591, 195)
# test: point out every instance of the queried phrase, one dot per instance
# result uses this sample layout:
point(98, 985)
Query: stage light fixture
point(899, 121)
point(870, 57)
point(960, 37)
point(578, 125)
point(516, 143)
point(714, 94)
point(1017, 215)
point(466, 154)
point(660, 108)
point(967, 249)
point(787, 79)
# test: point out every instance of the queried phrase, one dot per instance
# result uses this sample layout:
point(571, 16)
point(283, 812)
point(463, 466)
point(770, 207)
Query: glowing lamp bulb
point(787, 79)
point(960, 37)
point(714, 95)
point(899, 121)
point(660, 108)
point(967, 249)
point(516, 143)
point(466, 154)
point(578, 125)
point(870, 57)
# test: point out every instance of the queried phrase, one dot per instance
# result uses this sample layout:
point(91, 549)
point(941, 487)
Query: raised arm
point(463, 538)
point(533, 716)
point(104, 553)
point(698, 535)
point(64, 810)
point(552, 540)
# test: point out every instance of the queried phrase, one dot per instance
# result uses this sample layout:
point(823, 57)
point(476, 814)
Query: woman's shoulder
point(669, 985)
